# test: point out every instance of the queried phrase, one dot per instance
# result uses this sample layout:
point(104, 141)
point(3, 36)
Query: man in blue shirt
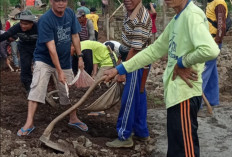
point(58, 27)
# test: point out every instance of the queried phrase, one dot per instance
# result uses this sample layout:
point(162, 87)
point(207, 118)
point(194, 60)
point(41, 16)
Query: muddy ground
point(214, 131)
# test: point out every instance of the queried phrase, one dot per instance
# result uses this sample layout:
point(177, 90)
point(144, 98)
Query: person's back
point(94, 17)
point(101, 54)
point(83, 7)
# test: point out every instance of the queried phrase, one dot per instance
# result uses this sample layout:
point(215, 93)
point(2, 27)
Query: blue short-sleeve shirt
point(59, 29)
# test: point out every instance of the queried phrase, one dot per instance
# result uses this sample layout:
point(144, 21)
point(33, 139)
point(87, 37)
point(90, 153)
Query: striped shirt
point(136, 28)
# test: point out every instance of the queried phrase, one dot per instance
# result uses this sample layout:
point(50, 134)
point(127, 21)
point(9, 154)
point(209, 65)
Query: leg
point(140, 122)
point(182, 128)
point(41, 76)
point(210, 82)
point(64, 100)
point(26, 57)
point(126, 115)
point(75, 64)
point(32, 106)
point(88, 60)
point(14, 51)
point(96, 35)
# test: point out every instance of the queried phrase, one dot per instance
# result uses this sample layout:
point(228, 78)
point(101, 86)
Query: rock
point(56, 135)
point(81, 140)
point(104, 150)
point(150, 148)
point(88, 143)
point(23, 155)
point(8, 132)
point(75, 144)
point(137, 147)
point(136, 155)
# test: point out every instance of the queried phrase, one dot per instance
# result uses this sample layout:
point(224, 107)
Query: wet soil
point(14, 113)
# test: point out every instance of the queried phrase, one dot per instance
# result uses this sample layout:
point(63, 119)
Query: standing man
point(58, 27)
point(151, 9)
point(94, 17)
point(188, 43)
point(83, 7)
point(216, 12)
point(133, 113)
point(26, 31)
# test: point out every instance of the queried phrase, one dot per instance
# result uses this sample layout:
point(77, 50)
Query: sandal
point(78, 125)
point(27, 130)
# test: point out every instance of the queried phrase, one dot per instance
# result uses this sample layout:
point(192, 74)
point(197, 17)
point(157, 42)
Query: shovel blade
point(52, 145)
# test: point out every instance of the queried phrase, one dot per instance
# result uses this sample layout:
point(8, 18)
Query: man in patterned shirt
point(133, 113)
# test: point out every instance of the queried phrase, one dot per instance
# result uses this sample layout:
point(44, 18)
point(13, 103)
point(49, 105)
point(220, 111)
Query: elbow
point(213, 52)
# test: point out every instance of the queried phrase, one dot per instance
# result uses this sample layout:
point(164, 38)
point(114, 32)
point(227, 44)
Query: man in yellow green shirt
point(188, 43)
point(96, 57)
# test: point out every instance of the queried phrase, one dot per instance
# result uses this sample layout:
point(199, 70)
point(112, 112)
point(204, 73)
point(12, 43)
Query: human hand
point(81, 64)
point(61, 77)
point(185, 74)
point(110, 74)
point(121, 78)
point(7, 61)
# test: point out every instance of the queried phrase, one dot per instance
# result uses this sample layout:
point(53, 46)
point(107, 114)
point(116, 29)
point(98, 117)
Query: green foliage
point(14, 2)
point(4, 8)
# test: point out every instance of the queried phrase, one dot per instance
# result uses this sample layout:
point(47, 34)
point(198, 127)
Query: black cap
point(80, 12)
point(93, 9)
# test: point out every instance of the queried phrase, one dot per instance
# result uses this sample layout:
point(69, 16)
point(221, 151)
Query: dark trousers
point(88, 61)
point(96, 35)
point(182, 128)
point(26, 60)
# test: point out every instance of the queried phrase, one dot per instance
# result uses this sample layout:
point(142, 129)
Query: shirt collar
point(176, 17)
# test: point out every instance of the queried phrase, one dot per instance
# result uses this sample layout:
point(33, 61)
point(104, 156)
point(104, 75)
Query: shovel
point(45, 138)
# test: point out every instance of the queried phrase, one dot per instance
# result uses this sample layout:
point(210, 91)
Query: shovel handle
point(209, 108)
point(49, 128)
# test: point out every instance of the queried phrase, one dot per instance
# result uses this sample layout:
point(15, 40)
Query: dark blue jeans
point(26, 60)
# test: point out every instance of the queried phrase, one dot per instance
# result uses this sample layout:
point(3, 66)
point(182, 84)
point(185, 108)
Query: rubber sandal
point(27, 130)
point(78, 125)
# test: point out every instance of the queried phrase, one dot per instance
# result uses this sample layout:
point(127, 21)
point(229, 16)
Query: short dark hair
point(82, 3)
point(18, 6)
point(110, 44)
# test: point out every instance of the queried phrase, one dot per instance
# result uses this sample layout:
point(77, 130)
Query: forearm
point(95, 66)
point(149, 55)
point(53, 53)
point(200, 55)
point(4, 36)
point(76, 43)
point(220, 11)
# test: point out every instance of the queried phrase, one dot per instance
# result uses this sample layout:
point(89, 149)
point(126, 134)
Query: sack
point(107, 100)
point(82, 79)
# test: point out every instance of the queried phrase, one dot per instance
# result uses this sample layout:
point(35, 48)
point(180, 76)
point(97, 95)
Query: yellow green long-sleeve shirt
point(101, 54)
point(186, 38)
